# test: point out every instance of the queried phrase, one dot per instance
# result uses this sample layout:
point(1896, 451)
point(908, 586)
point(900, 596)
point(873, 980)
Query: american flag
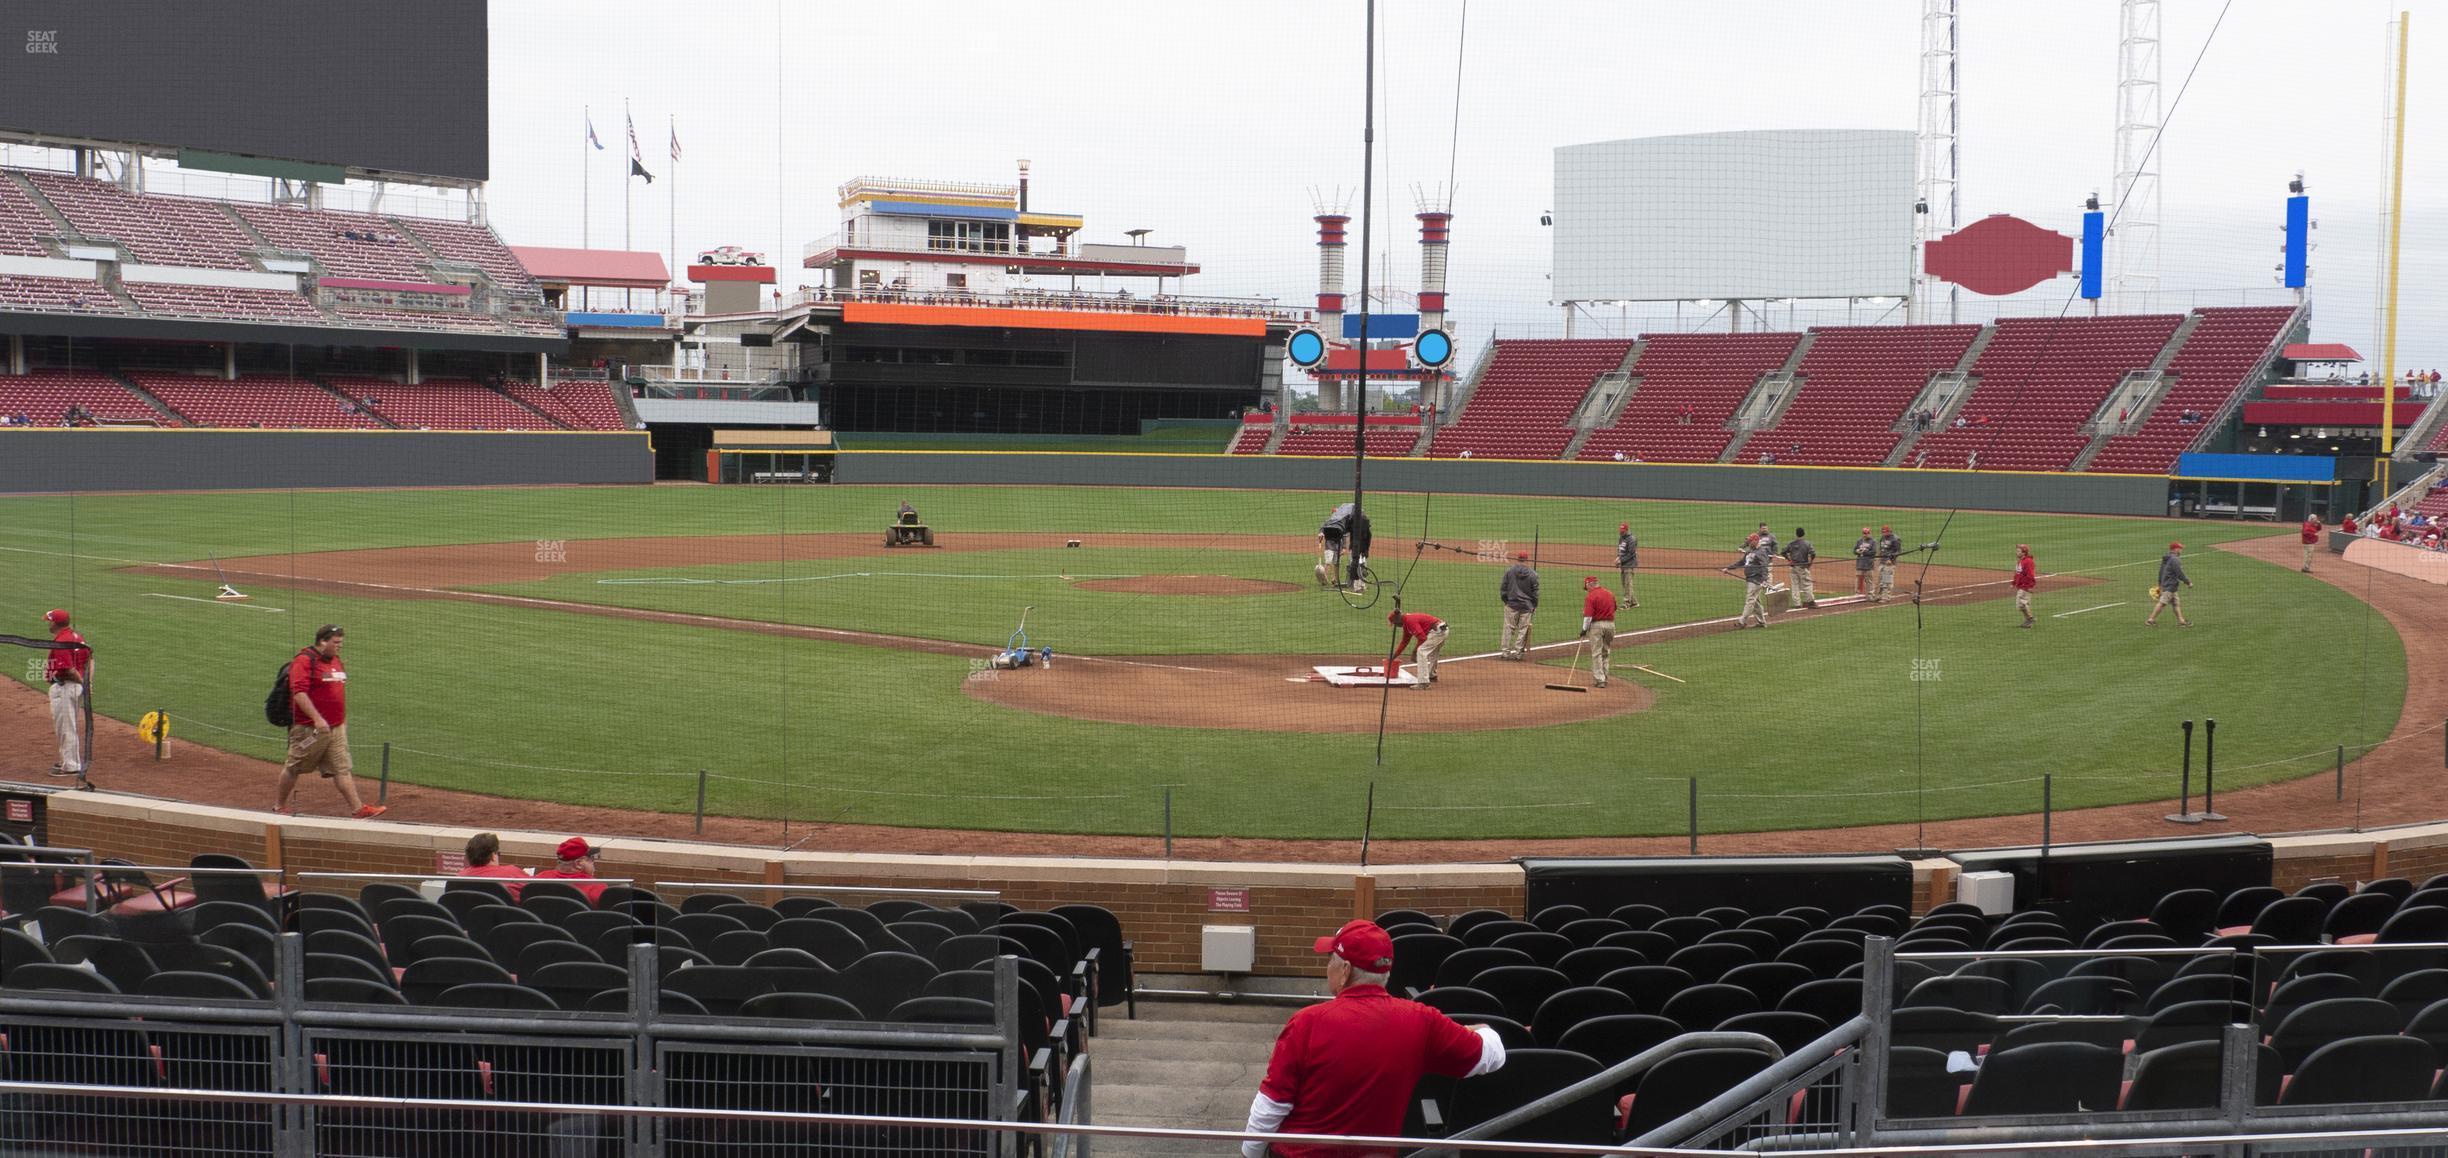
point(591, 138)
point(633, 145)
point(675, 143)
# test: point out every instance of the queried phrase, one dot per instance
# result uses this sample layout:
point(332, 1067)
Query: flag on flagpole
point(675, 144)
point(636, 168)
point(592, 139)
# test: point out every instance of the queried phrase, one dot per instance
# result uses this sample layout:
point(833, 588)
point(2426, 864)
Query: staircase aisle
point(1181, 1065)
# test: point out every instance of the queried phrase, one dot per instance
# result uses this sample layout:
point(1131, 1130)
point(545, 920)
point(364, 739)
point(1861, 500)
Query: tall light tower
point(1935, 208)
point(2133, 239)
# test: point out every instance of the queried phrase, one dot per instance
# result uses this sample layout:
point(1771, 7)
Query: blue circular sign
point(1433, 348)
point(1306, 348)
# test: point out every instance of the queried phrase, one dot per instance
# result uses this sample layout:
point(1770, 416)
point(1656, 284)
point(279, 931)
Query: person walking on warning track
point(2026, 579)
point(1799, 555)
point(2311, 539)
point(66, 669)
point(1890, 549)
point(1425, 634)
point(1598, 625)
point(1754, 567)
point(1519, 592)
point(1865, 554)
point(1347, 1065)
point(2171, 577)
point(318, 728)
point(1344, 535)
point(1627, 561)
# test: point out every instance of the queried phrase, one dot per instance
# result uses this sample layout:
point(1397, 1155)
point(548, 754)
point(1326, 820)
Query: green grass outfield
point(1819, 723)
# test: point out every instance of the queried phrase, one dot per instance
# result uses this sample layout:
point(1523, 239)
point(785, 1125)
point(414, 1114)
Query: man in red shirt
point(65, 670)
point(1347, 1066)
point(1425, 634)
point(318, 725)
point(484, 860)
point(2311, 539)
point(2026, 578)
point(577, 863)
point(1597, 625)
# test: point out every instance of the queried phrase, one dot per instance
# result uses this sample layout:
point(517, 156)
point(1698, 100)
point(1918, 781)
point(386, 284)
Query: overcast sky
point(1212, 123)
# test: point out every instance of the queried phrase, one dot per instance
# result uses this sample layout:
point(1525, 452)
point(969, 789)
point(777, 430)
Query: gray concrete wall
point(47, 460)
point(1876, 487)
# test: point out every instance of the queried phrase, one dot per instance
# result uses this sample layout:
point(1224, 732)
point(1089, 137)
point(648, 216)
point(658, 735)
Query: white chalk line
point(218, 602)
point(2101, 607)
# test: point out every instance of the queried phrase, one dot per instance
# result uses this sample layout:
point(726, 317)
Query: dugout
point(771, 456)
point(2267, 487)
point(2087, 884)
point(1686, 885)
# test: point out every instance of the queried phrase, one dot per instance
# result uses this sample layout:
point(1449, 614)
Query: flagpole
point(671, 214)
point(628, 297)
point(586, 187)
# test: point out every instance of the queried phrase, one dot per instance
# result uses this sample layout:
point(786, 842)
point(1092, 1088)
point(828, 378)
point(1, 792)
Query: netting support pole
point(382, 791)
point(2048, 805)
point(2210, 770)
point(1168, 822)
point(161, 735)
point(701, 782)
point(2341, 773)
point(1368, 822)
point(1691, 810)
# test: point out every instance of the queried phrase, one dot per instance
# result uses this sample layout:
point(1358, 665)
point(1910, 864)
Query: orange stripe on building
point(896, 314)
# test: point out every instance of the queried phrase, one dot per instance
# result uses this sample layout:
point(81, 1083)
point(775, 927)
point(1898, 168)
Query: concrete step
point(1123, 1035)
point(1181, 1065)
point(1221, 1108)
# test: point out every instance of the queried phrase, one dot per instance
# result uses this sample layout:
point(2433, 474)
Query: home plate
point(1364, 677)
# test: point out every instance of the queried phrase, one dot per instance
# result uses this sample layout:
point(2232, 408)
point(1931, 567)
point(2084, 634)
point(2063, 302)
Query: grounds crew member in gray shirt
point(1799, 555)
point(1519, 592)
point(1865, 550)
point(1890, 549)
point(1754, 565)
point(1627, 560)
point(2171, 577)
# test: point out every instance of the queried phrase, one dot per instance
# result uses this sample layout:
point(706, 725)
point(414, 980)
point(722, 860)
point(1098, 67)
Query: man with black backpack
point(315, 710)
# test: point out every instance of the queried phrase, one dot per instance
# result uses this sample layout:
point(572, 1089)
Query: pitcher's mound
point(1271, 693)
point(1187, 585)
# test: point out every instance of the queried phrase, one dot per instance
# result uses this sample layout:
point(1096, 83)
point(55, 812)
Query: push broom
point(1572, 683)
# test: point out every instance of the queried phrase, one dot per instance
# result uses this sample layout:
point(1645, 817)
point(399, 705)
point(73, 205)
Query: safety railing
point(1605, 1083)
point(1804, 1093)
point(1025, 299)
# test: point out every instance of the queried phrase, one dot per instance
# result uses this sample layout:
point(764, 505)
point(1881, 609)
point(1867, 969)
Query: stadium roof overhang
point(200, 330)
point(607, 268)
point(172, 153)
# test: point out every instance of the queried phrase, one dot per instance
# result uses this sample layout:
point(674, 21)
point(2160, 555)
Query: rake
point(1572, 683)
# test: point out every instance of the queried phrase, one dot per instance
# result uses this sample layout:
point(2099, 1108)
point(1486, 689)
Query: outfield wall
point(56, 460)
point(1162, 903)
point(1849, 486)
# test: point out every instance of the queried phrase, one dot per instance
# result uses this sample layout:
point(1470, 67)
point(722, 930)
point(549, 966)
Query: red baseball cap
point(576, 847)
point(1589, 581)
point(1885, 529)
point(2175, 546)
point(56, 617)
point(1524, 556)
point(1361, 944)
point(1623, 527)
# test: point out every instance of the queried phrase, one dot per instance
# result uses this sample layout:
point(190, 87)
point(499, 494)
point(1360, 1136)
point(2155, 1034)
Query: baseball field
point(602, 646)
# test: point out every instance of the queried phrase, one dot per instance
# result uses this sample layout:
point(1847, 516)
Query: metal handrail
point(1606, 1079)
point(879, 890)
point(1760, 1085)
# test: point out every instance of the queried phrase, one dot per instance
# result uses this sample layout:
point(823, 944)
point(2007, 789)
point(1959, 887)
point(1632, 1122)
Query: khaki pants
point(1802, 589)
point(1623, 583)
point(1886, 582)
point(327, 754)
point(1861, 580)
point(68, 724)
point(2023, 601)
point(1516, 639)
point(2308, 556)
point(1430, 649)
point(1601, 644)
point(1751, 605)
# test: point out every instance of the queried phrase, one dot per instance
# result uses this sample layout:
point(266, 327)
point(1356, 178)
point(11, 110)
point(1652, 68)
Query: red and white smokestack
point(1436, 236)
point(1330, 295)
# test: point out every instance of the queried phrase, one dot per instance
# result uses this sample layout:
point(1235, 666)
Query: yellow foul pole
point(2388, 354)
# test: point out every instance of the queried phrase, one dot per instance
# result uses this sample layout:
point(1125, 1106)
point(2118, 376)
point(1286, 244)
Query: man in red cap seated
point(577, 863)
point(1347, 1066)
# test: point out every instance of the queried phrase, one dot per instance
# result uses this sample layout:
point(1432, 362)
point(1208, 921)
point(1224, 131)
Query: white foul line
point(2101, 607)
point(217, 602)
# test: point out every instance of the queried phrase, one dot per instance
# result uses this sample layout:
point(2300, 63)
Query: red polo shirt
point(325, 682)
point(592, 892)
point(1347, 1066)
point(2311, 532)
point(1417, 625)
point(1598, 604)
point(2027, 573)
point(70, 662)
point(500, 871)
